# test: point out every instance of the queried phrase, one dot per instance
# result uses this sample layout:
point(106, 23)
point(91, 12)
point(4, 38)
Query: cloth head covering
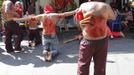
point(8, 5)
point(79, 16)
point(48, 9)
point(17, 2)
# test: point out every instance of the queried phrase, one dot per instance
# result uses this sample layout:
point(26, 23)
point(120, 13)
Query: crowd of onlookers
point(127, 14)
point(124, 19)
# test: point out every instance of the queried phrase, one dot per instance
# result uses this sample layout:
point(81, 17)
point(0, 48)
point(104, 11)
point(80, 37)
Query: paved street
point(120, 59)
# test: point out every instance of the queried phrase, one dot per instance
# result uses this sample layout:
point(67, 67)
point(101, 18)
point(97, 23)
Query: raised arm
point(68, 13)
point(23, 19)
point(31, 17)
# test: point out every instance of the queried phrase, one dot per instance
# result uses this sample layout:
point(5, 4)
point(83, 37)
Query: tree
point(1, 1)
point(1, 4)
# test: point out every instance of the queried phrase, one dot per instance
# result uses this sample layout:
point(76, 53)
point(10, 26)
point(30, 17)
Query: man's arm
point(68, 13)
point(37, 17)
point(110, 13)
point(23, 19)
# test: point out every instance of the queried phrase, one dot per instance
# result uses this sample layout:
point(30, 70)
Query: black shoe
point(11, 51)
point(38, 44)
point(29, 45)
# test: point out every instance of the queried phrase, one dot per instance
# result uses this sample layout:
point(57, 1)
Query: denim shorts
point(70, 21)
point(50, 43)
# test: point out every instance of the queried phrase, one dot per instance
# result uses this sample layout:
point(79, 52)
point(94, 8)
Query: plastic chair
point(116, 23)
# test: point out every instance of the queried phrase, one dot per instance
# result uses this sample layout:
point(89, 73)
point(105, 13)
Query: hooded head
point(9, 6)
point(48, 9)
point(17, 2)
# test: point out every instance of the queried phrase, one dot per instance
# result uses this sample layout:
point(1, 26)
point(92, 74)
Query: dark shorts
point(96, 49)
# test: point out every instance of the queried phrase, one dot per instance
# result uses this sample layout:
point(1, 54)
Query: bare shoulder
point(93, 2)
point(101, 4)
point(93, 5)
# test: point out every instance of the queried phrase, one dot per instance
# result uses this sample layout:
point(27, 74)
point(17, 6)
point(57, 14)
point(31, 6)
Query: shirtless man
point(34, 37)
point(48, 21)
point(11, 27)
point(92, 17)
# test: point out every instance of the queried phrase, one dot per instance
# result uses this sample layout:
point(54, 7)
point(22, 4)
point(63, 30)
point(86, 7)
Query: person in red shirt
point(11, 27)
point(19, 8)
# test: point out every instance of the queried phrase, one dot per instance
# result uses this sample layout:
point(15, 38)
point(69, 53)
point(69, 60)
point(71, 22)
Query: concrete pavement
point(120, 59)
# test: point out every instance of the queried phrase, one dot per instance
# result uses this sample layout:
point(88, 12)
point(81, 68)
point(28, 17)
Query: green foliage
point(0, 4)
point(35, 0)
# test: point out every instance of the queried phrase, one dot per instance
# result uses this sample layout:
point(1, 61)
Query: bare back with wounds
point(95, 15)
point(49, 24)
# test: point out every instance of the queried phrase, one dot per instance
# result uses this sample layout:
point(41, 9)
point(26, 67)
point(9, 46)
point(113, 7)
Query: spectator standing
point(11, 27)
point(92, 17)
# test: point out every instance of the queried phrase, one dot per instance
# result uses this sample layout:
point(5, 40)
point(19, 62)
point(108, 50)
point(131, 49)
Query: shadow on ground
point(122, 45)
point(68, 52)
point(28, 56)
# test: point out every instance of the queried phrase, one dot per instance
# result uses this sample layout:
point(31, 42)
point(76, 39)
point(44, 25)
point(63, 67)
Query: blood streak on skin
point(95, 27)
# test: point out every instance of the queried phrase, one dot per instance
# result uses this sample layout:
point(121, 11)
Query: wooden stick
point(76, 37)
point(70, 40)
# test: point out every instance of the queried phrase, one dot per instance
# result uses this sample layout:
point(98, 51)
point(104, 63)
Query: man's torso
point(94, 20)
point(49, 24)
